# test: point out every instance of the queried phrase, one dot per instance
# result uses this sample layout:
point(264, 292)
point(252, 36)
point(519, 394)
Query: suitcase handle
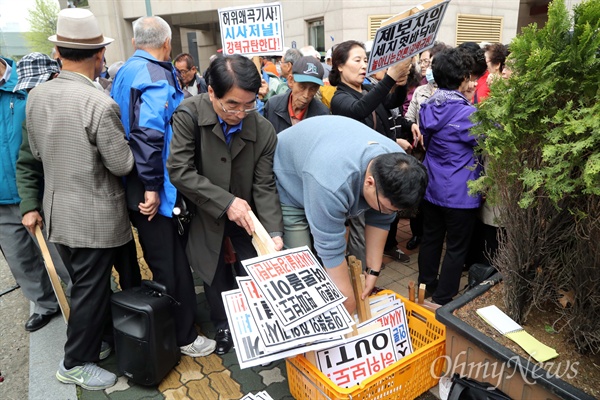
point(155, 286)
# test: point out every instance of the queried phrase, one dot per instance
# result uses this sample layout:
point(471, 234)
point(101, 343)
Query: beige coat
point(245, 171)
point(76, 131)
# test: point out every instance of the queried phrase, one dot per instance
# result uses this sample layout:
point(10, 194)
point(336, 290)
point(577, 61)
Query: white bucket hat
point(77, 28)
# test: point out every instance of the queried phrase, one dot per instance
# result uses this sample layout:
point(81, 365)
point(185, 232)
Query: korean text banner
point(275, 337)
point(358, 358)
point(252, 30)
point(406, 34)
point(294, 284)
point(249, 348)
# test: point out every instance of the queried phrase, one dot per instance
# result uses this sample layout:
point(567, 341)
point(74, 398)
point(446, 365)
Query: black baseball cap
point(308, 69)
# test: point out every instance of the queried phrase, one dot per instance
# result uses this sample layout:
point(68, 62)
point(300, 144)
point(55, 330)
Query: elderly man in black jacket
point(299, 103)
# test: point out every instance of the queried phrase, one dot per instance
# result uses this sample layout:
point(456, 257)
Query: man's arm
point(148, 117)
point(111, 143)
point(341, 278)
point(374, 244)
point(30, 173)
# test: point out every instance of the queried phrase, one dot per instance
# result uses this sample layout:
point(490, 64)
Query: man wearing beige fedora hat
point(81, 143)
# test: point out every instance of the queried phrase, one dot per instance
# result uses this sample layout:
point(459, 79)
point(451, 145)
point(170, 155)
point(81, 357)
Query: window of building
point(478, 28)
point(316, 34)
point(375, 23)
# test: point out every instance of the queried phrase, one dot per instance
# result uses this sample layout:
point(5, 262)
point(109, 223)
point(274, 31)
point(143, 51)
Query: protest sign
point(258, 396)
point(406, 34)
point(294, 285)
point(395, 318)
point(250, 350)
point(252, 30)
point(358, 358)
point(276, 337)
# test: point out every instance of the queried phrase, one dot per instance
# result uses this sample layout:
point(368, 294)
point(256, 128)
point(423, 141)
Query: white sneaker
point(199, 348)
point(89, 376)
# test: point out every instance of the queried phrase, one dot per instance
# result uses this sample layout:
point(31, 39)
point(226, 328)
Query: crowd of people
point(315, 149)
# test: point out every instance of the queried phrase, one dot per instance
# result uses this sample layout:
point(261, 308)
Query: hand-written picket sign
point(252, 30)
point(406, 34)
point(276, 337)
point(294, 285)
point(358, 358)
point(250, 350)
point(395, 318)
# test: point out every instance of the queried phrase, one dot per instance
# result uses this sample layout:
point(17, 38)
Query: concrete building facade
point(321, 23)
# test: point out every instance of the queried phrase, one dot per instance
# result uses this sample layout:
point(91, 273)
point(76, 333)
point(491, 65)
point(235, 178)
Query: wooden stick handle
point(54, 280)
point(261, 240)
point(411, 291)
point(421, 293)
point(363, 307)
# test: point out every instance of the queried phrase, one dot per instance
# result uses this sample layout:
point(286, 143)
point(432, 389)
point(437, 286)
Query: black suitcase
point(144, 328)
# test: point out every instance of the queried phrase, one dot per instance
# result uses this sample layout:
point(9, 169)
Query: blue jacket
point(12, 115)
point(450, 160)
point(147, 92)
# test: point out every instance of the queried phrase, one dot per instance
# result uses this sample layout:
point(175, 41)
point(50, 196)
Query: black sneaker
point(397, 255)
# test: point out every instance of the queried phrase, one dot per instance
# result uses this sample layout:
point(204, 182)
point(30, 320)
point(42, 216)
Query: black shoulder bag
point(470, 389)
point(184, 208)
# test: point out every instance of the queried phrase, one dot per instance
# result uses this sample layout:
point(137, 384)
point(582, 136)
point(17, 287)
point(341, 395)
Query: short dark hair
point(189, 60)
point(437, 47)
point(451, 67)
point(339, 56)
point(479, 66)
point(225, 72)
point(401, 178)
point(77, 55)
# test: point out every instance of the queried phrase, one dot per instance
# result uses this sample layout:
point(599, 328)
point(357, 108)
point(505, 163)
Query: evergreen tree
point(540, 134)
point(42, 19)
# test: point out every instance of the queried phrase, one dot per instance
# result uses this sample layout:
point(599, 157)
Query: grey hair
point(292, 55)
point(150, 32)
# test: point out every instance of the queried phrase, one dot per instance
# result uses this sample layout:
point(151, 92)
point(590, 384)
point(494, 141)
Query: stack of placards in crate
point(380, 342)
point(287, 305)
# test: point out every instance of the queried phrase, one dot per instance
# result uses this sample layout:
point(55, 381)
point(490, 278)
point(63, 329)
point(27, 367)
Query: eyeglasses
point(424, 62)
point(385, 210)
point(232, 111)
point(183, 71)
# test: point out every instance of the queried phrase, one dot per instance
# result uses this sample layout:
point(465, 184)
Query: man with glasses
point(221, 159)
point(145, 89)
point(193, 83)
point(329, 169)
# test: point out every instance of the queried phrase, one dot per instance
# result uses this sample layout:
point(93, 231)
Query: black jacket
point(360, 106)
point(276, 111)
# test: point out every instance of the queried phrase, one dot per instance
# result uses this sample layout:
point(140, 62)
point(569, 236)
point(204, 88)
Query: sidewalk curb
point(45, 352)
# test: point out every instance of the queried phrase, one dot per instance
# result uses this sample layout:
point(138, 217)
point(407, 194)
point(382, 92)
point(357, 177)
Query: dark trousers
point(126, 265)
point(165, 254)
point(391, 242)
point(224, 279)
point(457, 226)
point(89, 319)
point(416, 222)
point(484, 244)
